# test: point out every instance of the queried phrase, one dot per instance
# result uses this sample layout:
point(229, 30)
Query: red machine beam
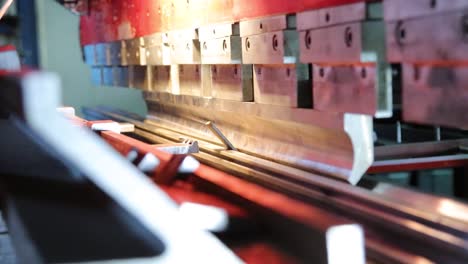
point(124, 19)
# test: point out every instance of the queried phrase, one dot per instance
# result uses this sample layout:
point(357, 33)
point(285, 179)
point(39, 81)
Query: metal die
point(96, 76)
point(271, 48)
point(139, 77)
point(120, 76)
point(218, 31)
point(345, 89)
point(113, 55)
point(436, 38)
point(115, 76)
point(189, 80)
point(345, 38)
point(158, 50)
point(344, 43)
point(100, 51)
point(325, 17)
point(285, 85)
point(226, 50)
point(232, 82)
point(89, 54)
point(344, 34)
point(107, 76)
point(402, 9)
point(185, 47)
point(435, 95)
point(271, 40)
point(135, 51)
point(161, 78)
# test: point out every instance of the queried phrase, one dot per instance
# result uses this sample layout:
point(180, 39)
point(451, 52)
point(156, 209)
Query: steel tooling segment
point(123, 19)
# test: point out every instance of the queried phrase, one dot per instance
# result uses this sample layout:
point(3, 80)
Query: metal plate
point(189, 79)
point(270, 48)
point(135, 51)
point(138, 77)
point(331, 16)
point(158, 50)
point(100, 51)
point(185, 52)
point(159, 54)
point(114, 56)
point(96, 76)
point(435, 95)
point(218, 31)
point(265, 25)
point(346, 89)
point(123, 53)
point(436, 39)
point(107, 76)
point(232, 82)
point(261, 129)
point(401, 9)
point(121, 76)
point(89, 54)
point(161, 78)
point(348, 43)
point(284, 85)
point(225, 50)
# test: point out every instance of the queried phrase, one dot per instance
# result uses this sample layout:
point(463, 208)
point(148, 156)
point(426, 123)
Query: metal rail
point(423, 232)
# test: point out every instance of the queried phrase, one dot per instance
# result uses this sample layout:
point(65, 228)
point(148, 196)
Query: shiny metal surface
point(101, 54)
point(161, 78)
point(390, 214)
point(344, 43)
point(158, 49)
point(284, 85)
point(185, 47)
point(346, 89)
point(217, 31)
point(110, 172)
point(400, 9)
point(331, 16)
point(342, 146)
point(96, 76)
point(89, 55)
point(444, 91)
point(276, 47)
point(225, 50)
point(232, 82)
point(439, 38)
point(135, 51)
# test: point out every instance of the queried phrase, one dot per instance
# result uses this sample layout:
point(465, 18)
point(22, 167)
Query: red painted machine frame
point(125, 19)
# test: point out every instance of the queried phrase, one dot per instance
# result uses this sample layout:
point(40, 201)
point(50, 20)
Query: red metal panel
point(111, 20)
point(246, 9)
point(212, 11)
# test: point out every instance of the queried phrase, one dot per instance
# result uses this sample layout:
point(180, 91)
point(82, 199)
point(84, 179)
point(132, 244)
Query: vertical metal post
point(398, 126)
point(26, 10)
point(438, 135)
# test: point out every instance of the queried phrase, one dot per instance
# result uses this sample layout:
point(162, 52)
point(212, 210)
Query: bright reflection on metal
point(453, 210)
point(205, 217)
point(345, 244)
